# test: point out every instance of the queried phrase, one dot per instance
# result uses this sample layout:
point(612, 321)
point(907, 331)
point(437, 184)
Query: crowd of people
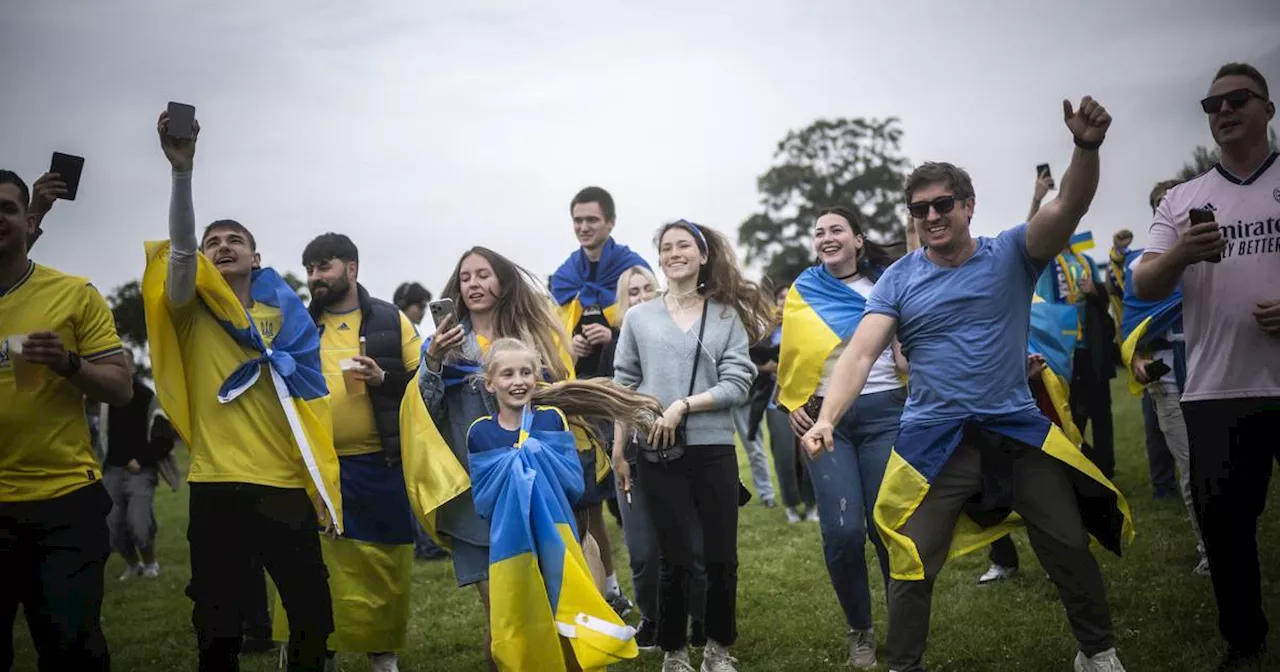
point(929, 404)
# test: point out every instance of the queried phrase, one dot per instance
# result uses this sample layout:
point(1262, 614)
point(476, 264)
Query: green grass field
point(1164, 616)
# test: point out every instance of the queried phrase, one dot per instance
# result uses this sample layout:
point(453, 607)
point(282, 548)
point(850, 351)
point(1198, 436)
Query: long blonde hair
point(624, 287)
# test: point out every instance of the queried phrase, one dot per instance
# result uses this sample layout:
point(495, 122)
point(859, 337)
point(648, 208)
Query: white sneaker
point(131, 571)
point(997, 573)
point(1107, 661)
point(1202, 568)
point(384, 662)
point(811, 516)
point(151, 571)
point(716, 658)
point(793, 516)
point(862, 649)
point(331, 664)
point(677, 661)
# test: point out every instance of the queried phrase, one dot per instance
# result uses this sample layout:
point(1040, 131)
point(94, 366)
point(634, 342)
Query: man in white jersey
point(1230, 272)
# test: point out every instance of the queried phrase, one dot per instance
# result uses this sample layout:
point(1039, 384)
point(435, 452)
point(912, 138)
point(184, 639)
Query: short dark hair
point(229, 225)
point(10, 177)
point(1244, 70)
point(931, 172)
point(596, 195)
point(410, 294)
point(328, 246)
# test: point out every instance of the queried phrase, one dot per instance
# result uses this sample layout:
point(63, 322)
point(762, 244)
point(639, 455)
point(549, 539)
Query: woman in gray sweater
point(689, 349)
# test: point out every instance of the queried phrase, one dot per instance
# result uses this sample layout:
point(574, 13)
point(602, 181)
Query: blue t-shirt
point(964, 330)
point(487, 434)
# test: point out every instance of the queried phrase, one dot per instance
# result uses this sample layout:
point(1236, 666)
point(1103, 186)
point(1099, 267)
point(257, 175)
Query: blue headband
point(693, 229)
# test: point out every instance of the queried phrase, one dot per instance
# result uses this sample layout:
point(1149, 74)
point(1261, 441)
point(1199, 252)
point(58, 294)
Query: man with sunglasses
point(1230, 273)
point(961, 308)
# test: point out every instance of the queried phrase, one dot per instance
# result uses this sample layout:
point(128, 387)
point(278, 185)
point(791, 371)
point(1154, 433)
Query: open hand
point(181, 152)
point(1268, 317)
point(1090, 122)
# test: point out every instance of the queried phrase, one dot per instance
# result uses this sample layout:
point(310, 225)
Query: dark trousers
point(1044, 497)
point(1004, 552)
point(230, 526)
point(1091, 402)
point(1164, 480)
point(52, 555)
point(703, 484)
point(257, 607)
point(1233, 445)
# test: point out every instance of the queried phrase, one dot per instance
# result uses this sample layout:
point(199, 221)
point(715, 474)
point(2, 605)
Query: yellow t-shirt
point(354, 432)
point(247, 440)
point(46, 451)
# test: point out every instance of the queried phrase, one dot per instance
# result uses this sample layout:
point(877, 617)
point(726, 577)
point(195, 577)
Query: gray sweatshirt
point(654, 357)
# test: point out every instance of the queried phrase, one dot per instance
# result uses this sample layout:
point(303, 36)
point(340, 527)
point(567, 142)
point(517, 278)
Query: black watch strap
point(1090, 146)
point(73, 365)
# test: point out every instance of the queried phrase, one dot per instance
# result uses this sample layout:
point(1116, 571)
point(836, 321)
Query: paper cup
point(353, 384)
point(25, 374)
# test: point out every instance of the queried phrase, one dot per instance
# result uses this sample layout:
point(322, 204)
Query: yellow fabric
point(432, 473)
point(248, 440)
point(46, 447)
point(1060, 395)
point(807, 341)
point(370, 587)
point(354, 431)
point(571, 314)
point(1129, 348)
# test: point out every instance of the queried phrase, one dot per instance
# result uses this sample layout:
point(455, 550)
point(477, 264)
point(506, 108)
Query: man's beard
point(332, 294)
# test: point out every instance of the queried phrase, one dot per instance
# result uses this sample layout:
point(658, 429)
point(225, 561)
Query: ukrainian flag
point(1053, 336)
point(1081, 242)
point(574, 290)
point(293, 361)
point(920, 454)
point(432, 473)
point(1144, 320)
point(820, 313)
point(542, 588)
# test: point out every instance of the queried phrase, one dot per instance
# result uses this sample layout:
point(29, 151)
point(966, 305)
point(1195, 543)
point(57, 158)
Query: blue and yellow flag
point(293, 362)
point(575, 291)
point(541, 586)
point(820, 313)
point(432, 473)
point(1053, 336)
point(1081, 242)
point(920, 454)
point(1144, 320)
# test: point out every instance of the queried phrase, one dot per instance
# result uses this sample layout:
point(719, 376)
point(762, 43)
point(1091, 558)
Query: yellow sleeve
point(410, 345)
point(96, 328)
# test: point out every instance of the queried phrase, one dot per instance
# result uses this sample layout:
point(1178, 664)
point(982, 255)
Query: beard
point(330, 294)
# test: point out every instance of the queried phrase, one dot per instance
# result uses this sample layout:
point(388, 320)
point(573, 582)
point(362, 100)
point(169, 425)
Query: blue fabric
point(1054, 336)
point(375, 506)
point(1165, 313)
point(839, 306)
point(487, 434)
point(964, 330)
point(1052, 286)
point(928, 447)
point(294, 352)
point(571, 281)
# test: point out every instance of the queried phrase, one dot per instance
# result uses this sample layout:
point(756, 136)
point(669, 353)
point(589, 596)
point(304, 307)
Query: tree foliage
point(854, 163)
point(131, 321)
point(1203, 158)
point(297, 285)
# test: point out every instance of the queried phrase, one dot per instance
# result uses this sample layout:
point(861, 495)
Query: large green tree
point(854, 163)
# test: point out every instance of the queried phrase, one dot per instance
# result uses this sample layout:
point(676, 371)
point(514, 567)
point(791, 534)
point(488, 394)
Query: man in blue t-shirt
point(960, 307)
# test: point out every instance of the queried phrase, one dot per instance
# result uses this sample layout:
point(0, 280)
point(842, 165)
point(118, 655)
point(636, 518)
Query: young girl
point(526, 477)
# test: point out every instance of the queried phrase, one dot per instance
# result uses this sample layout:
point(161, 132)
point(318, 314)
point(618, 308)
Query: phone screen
point(1043, 170)
point(1200, 215)
point(182, 121)
point(68, 168)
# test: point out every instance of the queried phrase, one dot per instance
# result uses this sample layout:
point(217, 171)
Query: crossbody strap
point(693, 375)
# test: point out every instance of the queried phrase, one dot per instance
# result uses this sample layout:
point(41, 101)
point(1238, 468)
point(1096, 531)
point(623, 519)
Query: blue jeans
point(846, 482)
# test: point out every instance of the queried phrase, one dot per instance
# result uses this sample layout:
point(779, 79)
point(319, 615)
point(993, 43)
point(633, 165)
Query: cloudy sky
point(422, 128)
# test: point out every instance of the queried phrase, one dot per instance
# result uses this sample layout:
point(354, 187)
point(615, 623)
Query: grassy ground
point(1164, 616)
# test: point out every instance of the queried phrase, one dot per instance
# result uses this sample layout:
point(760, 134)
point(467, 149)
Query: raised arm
point(873, 335)
point(1049, 231)
point(183, 246)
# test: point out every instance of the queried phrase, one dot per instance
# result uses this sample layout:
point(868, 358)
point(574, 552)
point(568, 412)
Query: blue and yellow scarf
point(820, 313)
point(574, 291)
point(1053, 336)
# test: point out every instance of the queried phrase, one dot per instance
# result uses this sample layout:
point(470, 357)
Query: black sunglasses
point(1236, 99)
point(942, 204)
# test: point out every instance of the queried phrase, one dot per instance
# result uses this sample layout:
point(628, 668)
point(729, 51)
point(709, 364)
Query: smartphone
point(68, 168)
point(182, 121)
point(1202, 216)
point(592, 315)
point(1043, 170)
point(1156, 370)
point(441, 309)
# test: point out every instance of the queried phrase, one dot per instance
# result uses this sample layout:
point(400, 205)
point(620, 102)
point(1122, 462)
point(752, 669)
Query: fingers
point(1067, 112)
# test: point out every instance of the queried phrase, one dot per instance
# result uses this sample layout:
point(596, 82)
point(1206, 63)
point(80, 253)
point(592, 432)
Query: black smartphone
point(1042, 170)
point(182, 121)
point(440, 309)
point(592, 315)
point(1157, 369)
point(68, 168)
point(1202, 216)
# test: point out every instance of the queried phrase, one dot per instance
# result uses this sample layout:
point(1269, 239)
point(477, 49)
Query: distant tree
point(131, 321)
point(1203, 158)
point(853, 163)
point(297, 285)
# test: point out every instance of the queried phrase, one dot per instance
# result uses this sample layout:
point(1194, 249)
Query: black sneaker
point(697, 634)
point(647, 635)
point(620, 604)
point(1235, 661)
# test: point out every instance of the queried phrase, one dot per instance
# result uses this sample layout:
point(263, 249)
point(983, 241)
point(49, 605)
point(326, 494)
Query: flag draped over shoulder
point(1053, 336)
point(820, 313)
point(292, 360)
point(920, 454)
point(541, 585)
point(432, 473)
point(574, 291)
point(1144, 320)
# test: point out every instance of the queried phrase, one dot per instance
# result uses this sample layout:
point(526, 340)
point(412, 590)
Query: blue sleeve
point(1013, 244)
point(477, 434)
point(886, 296)
point(549, 419)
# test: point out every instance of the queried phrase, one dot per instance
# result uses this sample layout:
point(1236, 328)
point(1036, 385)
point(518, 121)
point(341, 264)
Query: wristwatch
point(73, 365)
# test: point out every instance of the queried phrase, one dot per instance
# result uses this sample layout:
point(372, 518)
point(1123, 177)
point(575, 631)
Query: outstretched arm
point(1049, 231)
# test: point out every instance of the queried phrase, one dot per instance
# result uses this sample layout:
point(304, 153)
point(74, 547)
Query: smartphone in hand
point(1042, 170)
point(182, 121)
point(68, 168)
point(1156, 370)
point(1202, 216)
point(440, 309)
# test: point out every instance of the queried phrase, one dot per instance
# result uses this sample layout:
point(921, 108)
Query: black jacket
point(380, 327)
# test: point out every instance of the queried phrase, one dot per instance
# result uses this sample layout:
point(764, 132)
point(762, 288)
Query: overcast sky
point(422, 128)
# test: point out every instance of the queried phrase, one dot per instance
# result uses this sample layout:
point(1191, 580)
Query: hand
point(819, 436)
point(1200, 242)
point(447, 337)
point(621, 471)
point(1035, 366)
point(800, 421)
point(1090, 122)
point(369, 372)
point(1268, 317)
point(597, 334)
point(45, 347)
point(1122, 239)
point(133, 466)
point(663, 432)
point(1138, 365)
point(1043, 185)
point(181, 152)
point(1086, 283)
point(581, 347)
point(46, 189)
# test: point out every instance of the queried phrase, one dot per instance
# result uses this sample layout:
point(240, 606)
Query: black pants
point(1233, 444)
point(702, 485)
point(1164, 477)
point(1004, 552)
point(52, 555)
point(1091, 402)
point(231, 525)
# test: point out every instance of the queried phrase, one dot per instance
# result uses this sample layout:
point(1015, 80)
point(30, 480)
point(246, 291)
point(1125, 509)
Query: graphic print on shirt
point(1245, 238)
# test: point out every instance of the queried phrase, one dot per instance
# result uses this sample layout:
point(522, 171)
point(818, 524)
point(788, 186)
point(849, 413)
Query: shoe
point(717, 659)
point(1202, 567)
point(151, 571)
point(997, 573)
point(1099, 662)
point(862, 649)
point(647, 635)
point(793, 516)
point(131, 571)
point(811, 516)
point(384, 662)
point(677, 661)
point(769, 503)
point(697, 634)
point(621, 605)
point(1235, 661)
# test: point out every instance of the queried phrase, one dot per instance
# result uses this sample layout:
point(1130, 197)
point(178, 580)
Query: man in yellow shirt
point(236, 362)
point(58, 344)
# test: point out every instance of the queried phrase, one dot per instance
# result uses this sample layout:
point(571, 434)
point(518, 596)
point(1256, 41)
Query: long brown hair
point(523, 309)
point(721, 279)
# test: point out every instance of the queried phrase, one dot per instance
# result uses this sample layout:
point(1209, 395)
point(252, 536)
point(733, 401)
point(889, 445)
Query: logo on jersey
point(1209, 207)
point(343, 327)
